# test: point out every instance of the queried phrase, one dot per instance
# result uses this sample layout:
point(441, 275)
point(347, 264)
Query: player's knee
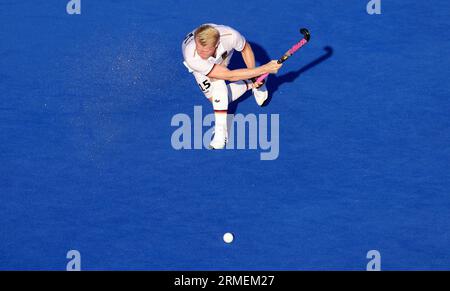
point(220, 97)
point(220, 102)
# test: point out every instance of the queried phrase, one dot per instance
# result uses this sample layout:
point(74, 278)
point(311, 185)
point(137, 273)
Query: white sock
point(237, 89)
point(221, 118)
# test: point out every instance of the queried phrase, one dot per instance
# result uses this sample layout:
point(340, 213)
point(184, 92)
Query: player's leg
point(237, 89)
point(217, 92)
point(220, 103)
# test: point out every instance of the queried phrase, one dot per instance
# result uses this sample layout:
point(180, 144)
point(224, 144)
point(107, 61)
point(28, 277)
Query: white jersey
point(229, 41)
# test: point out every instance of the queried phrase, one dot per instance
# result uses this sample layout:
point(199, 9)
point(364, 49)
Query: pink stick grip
point(297, 46)
point(262, 77)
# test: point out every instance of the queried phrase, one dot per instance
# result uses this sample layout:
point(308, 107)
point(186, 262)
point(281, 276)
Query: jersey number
point(206, 84)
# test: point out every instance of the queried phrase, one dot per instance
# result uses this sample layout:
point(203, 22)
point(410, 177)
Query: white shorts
point(212, 87)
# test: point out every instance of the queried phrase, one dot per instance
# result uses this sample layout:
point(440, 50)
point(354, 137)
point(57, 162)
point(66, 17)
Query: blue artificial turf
point(86, 161)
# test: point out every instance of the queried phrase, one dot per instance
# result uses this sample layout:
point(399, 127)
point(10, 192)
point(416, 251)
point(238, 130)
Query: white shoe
point(220, 138)
point(261, 94)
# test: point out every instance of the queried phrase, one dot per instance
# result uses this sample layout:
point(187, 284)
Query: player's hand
point(272, 67)
point(255, 84)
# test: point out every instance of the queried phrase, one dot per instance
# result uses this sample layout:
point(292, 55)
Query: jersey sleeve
point(238, 40)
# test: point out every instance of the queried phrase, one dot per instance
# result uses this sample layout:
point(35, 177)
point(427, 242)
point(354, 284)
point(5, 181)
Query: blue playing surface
point(87, 164)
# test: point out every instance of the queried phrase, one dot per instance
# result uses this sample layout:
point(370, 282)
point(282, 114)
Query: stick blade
point(306, 33)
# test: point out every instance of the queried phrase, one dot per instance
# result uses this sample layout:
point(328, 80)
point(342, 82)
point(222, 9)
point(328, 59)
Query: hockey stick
point(290, 52)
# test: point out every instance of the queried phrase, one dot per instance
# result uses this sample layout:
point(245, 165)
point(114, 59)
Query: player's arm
point(223, 73)
point(248, 56)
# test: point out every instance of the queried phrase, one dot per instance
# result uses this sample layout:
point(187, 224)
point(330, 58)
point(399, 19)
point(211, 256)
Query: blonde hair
point(207, 35)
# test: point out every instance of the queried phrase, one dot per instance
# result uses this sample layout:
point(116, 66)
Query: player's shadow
point(275, 81)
